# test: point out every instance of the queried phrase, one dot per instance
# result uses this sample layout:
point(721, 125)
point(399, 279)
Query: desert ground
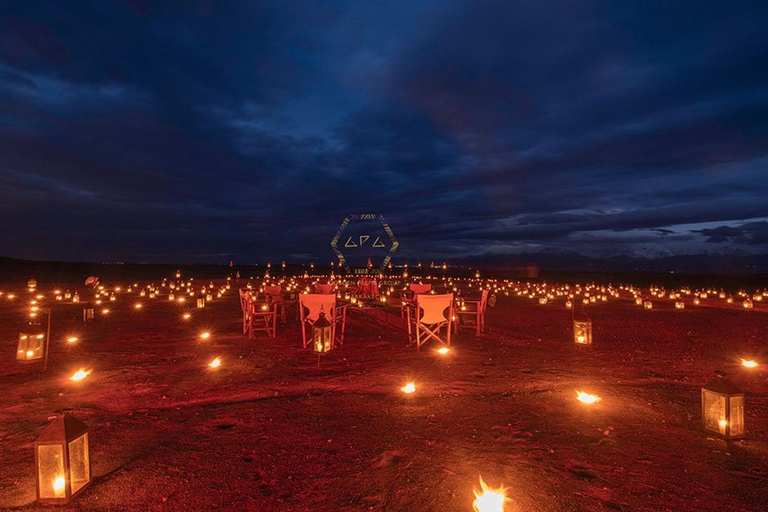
point(276, 428)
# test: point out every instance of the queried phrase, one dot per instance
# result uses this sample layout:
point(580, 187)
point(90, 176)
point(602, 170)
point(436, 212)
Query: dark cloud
point(205, 131)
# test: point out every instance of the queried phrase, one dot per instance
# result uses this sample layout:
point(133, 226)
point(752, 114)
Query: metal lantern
point(200, 302)
point(647, 304)
point(88, 314)
point(582, 330)
point(62, 459)
point(722, 407)
point(31, 346)
point(322, 335)
point(679, 304)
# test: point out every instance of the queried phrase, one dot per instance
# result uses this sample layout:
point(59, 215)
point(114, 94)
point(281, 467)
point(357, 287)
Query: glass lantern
point(31, 346)
point(62, 459)
point(679, 304)
point(322, 335)
point(200, 303)
point(648, 304)
point(722, 407)
point(582, 330)
point(88, 314)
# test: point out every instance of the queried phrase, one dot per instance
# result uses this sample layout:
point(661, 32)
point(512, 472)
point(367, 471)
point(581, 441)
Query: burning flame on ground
point(581, 396)
point(215, 363)
point(80, 374)
point(443, 350)
point(72, 339)
point(205, 335)
point(749, 363)
point(408, 388)
point(186, 316)
point(488, 499)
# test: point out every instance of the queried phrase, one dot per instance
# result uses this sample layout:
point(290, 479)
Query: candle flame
point(138, 305)
point(72, 339)
point(408, 388)
point(443, 350)
point(58, 484)
point(205, 335)
point(186, 316)
point(586, 398)
point(749, 363)
point(215, 363)
point(80, 374)
point(488, 499)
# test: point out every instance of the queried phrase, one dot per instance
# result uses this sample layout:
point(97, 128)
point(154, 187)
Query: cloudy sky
point(209, 131)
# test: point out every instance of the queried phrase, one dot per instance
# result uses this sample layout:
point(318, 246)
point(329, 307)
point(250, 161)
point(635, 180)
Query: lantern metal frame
point(322, 334)
point(46, 343)
point(582, 326)
point(62, 432)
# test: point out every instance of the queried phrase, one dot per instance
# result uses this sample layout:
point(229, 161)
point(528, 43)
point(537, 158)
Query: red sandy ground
point(270, 431)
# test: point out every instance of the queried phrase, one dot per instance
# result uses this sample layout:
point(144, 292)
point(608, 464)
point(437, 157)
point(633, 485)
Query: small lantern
point(88, 314)
point(639, 301)
point(748, 304)
point(200, 303)
point(209, 297)
point(76, 297)
point(647, 304)
point(582, 330)
point(63, 462)
point(171, 296)
point(31, 346)
point(32, 284)
point(542, 300)
point(722, 407)
point(679, 304)
point(321, 334)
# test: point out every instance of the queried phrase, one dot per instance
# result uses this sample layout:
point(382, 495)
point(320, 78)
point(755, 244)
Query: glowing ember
point(215, 363)
point(586, 398)
point(205, 335)
point(749, 363)
point(443, 350)
point(80, 374)
point(408, 388)
point(488, 499)
point(72, 339)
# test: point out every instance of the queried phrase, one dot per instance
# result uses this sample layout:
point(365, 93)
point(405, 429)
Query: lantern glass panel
point(51, 471)
point(714, 411)
point(79, 465)
point(326, 339)
point(736, 419)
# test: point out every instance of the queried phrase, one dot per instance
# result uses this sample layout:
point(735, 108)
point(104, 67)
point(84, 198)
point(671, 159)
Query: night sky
point(209, 131)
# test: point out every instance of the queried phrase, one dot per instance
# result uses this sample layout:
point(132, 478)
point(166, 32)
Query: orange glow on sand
point(488, 499)
point(80, 374)
point(586, 398)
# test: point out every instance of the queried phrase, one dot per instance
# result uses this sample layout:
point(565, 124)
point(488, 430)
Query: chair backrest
point(273, 290)
point(324, 288)
point(420, 288)
point(245, 297)
point(313, 302)
point(484, 299)
point(433, 307)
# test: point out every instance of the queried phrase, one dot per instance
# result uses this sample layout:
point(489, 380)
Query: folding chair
point(473, 312)
point(263, 317)
point(310, 305)
point(429, 318)
point(413, 290)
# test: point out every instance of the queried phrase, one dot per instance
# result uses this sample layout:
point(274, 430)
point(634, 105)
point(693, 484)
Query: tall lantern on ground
point(322, 335)
point(200, 302)
point(582, 330)
point(31, 346)
point(62, 459)
point(722, 407)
